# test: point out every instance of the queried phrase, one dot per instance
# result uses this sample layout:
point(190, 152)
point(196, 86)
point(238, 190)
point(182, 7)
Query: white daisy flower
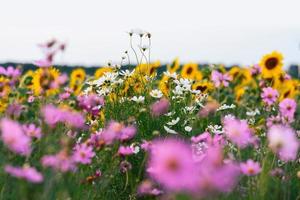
point(156, 93)
point(173, 122)
point(139, 99)
point(188, 128)
point(168, 130)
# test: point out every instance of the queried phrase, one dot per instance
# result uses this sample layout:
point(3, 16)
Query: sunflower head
point(44, 80)
point(203, 87)
point(189, 70)
point(164, 85)
point(77, 80)
point(271, 64)
point(174, 66)
point(101, 71)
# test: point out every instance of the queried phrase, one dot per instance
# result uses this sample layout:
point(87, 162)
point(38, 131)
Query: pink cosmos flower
point(160, 107)
point(238, 132)
point(14, 110)
point(61, 162)
point(53, 115)
point(28, 173)
point(125, 150)
point(283, 141)
point(14, 138)
point(215, 175)
point(32, 131)
point(30, 99)
point(269, 96)
point(83, 154)
point(273, 120)
point(146, 145)
point(220, 79)
point(255, 70)
point(288, 108)
point(43, 63)
point(147, 188)
point(127, 133)
point(171, 164)
point(250, 168)
point(91, 103)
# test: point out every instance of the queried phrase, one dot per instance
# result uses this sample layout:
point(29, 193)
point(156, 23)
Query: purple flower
point(14, 110)
point(160, 107)
point(127, 133)
point(288, 108)
point(216, 175)
point(269, 96)
point(91, 103)
point(28, 173)
point(32, 131)
point(125, 150)
point(238, 132)
point(147, 188)
point(61, 162)
point(220, 79)
point(250, 168)
point(53, 115)
point(283, 141)
point(125, 166)
point(171, 165)
point(14, 138)
point(43, 63)
point(83, 154)
point(273, 120)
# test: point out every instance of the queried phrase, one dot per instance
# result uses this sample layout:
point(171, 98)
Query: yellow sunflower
point(234, 72)
point(287, 90)
point(271, 64)
point(43, 81)
point(174, 66)
point(76, 80)
point(26, 80)
point(101, 71)
point(189, 70)
point(147, 69)
point(164, 85)
point(3, 106)
point(4, 88)
point(204, 86)
point(239, 92)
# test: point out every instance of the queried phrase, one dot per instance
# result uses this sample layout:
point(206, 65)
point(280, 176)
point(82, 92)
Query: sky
point(214, 31)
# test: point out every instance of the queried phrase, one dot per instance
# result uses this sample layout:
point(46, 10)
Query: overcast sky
point(228, 31)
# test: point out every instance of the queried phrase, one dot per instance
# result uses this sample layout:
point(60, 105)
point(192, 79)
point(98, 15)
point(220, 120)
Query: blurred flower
point(14, 110)
point(269, 96)
point(273, 120)
point(125, 150)
point(238, 132)
point(209, 108)
point(283, 141)
point(250, 168)
point(32, 131)
point(60, 161)
point(171, 165)
point(220, 79)
point(30, 174)
point(53, 115)
point(139, 99)
point(147, 188)
point(14, 138)
point(156, 93)
point(83, 154)
point(125, 166)
point(160, 107)
point(288, 108)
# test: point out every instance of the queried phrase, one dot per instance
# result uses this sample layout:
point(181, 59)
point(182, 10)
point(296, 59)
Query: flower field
point(189, 132)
